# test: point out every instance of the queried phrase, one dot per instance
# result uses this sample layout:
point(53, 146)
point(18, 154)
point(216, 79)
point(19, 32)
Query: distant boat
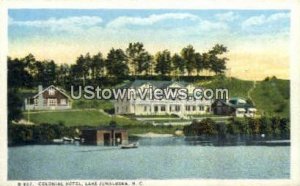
point(130, 146)
point(58, 141)
point(67, 139)
point(76, 139)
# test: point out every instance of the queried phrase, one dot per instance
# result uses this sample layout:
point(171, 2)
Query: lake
point(159, 158)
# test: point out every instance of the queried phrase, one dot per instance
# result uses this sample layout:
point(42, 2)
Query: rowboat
point(130, 146)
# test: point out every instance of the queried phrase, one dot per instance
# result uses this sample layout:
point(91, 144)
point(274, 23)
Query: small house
point(109, 135)
point(234, 107)
point(50, 98)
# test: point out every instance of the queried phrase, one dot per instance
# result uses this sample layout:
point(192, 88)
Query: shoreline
point(152, 135)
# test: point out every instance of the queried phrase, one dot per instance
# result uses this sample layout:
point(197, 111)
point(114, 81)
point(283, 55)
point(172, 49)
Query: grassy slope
point(78, 118)
point(95, 118)
point(236, 87)
point(270, 97)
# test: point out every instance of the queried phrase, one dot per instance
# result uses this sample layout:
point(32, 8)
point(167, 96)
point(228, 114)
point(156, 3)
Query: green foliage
point(271, 127)
point(139, 60)
point(204, 127)
point(163, 63)
point(116, 63)
point(178, 64)
point(272, 97)
point(44, 133)
point(14, 104)
point(188, 54)
point(88, 69)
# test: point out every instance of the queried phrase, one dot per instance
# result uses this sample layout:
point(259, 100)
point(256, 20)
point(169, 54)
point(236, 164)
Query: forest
point(118, 65)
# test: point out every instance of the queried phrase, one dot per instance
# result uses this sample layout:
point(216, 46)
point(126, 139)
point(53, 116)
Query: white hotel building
point(164, 106)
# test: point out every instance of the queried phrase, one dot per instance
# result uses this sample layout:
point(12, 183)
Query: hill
point(270, 96)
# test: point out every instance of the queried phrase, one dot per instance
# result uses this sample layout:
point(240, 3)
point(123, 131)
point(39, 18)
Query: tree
point(116, 63)
point(139, 59)
point(134, 52)
point(204, 127)
point(206, 61)
point(17, 75)
point(217, 65)
point(63, 74)
point(144, 61)
point(82, 67)
point(14, 104)
point(265, 126)
point(29, 62)
point(254, 125)
point(163, 63)
point(48, 76)
point(97, 66)
point(188, 54)
point(178, 64)
point(199, 63)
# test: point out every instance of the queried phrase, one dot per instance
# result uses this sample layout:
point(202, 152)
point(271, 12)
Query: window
point(194, 108)
point(35, 102)
point(51, 91)
point(145, 108)
point(52, 102)
point(201, 108)
point(163, 108)
point(155, 108)
point(208, 109)
point(177, 108)
point(187, 108)
point(63, 101)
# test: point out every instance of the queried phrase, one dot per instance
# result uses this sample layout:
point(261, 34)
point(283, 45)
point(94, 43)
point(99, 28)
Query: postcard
point(129, 95)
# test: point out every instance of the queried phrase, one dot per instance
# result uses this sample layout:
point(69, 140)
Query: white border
point(293, 5)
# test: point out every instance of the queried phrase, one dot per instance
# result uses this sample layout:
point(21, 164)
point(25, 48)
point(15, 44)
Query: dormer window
point(51, 91)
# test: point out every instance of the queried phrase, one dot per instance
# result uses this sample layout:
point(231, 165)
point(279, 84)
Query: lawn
point(94, 118)
point(78, 118)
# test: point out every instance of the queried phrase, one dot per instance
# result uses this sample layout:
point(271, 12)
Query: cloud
point(76, 22)
point(205, 25)
point(228, 16)
point(150, 20)
point(262, 19)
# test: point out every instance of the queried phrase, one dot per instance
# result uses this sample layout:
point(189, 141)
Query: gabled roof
point(156, 84)
point(52, 86)
point(246, 105)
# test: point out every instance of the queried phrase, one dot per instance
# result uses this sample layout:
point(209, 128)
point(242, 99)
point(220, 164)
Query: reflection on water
point(156, 158)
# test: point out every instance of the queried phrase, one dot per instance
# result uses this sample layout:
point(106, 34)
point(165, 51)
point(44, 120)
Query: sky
point(257, 40)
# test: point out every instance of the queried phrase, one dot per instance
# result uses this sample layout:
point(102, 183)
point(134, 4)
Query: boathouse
point(110, 136)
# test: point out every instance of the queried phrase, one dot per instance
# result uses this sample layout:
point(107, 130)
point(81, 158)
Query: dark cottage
point(109, 135)
point(233, 107)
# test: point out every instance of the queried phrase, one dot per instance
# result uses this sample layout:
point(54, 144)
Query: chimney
point(40, 98)
point(40, 88)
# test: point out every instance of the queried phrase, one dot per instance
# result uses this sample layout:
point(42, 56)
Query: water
point(168, 158)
